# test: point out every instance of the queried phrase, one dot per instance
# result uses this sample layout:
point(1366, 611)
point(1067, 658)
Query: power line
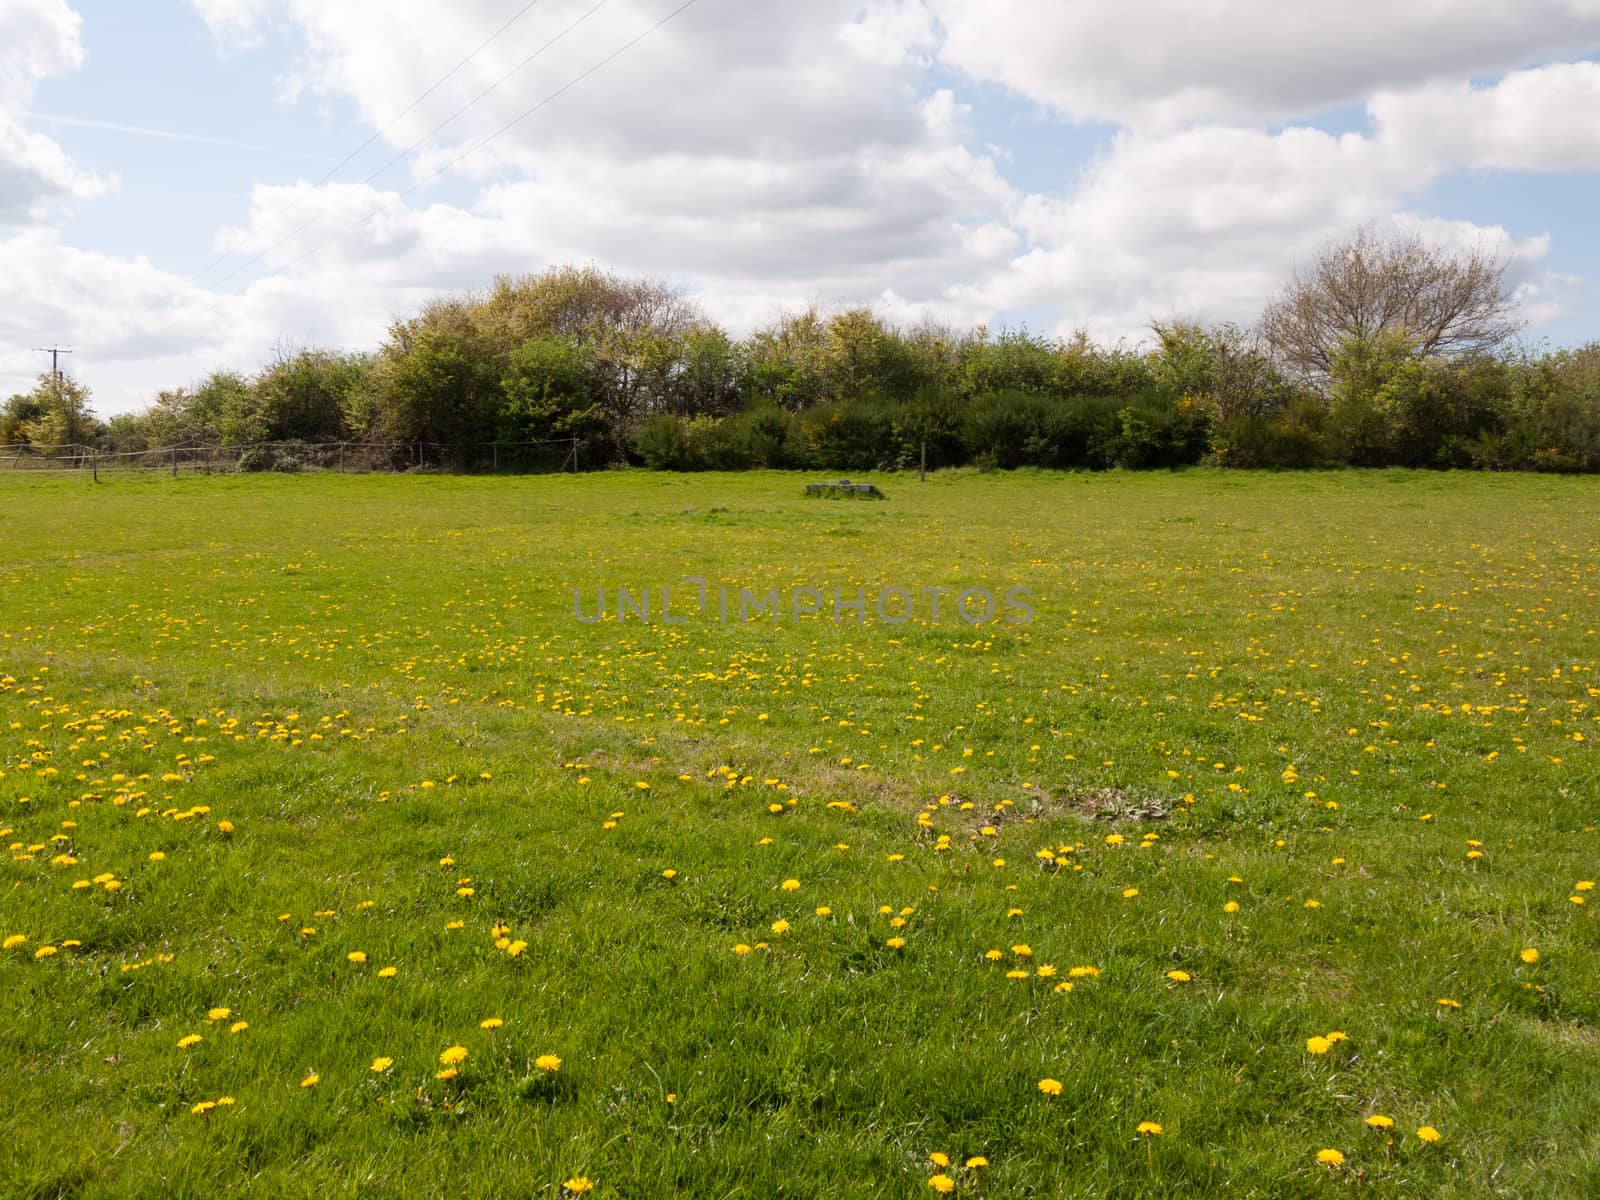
point(475, 147)
point(420, 142)
point(395, 120)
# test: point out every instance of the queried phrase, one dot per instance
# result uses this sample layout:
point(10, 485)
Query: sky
point(187, 185)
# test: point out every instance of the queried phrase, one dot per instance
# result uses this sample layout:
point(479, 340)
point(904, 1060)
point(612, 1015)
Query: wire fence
point(534, 457)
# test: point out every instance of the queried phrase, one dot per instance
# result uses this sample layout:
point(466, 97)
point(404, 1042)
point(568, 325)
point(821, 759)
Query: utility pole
point(55, 365)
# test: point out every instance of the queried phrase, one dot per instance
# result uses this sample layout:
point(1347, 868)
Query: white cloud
point(1163, 63)
point(38, 39)
point(1540, 119)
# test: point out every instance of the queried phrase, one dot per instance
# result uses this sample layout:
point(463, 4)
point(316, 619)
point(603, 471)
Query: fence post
point(94, 464)
point(574, 454)
point(174, 462)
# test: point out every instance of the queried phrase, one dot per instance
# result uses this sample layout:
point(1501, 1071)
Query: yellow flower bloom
point(1379, 1121)
point(452, 1055)
point(1330, 1157)
point(547, 1062)
point(1429, 1134)
point(310, 1081)
point(578, 1185)
point(491, 1023)
point(357, 956)
point(942, 1184)
point(218, 1014)
point(1050, 1087)
point(1148, 1128)
point(1318, 1045)
point(939, 1158)
point(380, 1065)
point(1530, 955)
point(193, 1039)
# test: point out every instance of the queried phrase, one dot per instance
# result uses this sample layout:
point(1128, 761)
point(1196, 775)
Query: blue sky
point(1005, 162)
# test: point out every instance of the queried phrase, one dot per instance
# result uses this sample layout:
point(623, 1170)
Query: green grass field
point(1252, 834)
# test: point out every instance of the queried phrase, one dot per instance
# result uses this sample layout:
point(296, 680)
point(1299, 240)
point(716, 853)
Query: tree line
point(1384, 351)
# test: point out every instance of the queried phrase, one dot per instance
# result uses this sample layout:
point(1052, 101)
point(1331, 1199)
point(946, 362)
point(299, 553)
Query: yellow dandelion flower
point(1178, 976)
point(942, 1184)
point(386, 973)
point(578, 1185)
point(452, 1055)
point(218, 1014)
point(357, 956)
point(1050, 1087)
point(1318, 1045)
point(1429, 1134)
point(1530, 955)
point(1330, 1157)
point(380, 1065)
point(939, 1158)
point(192, 1039)
point(310, 1081)
point(896, 943)
point(1379, 1121)
point(1148, 1128)
point(238, 1026)
point(547, 1062)
point(491, 1023)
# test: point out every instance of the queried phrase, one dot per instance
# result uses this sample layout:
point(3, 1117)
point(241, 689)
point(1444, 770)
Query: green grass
point(367, 675)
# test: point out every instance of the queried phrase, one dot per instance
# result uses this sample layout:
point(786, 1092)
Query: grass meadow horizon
point(346, 858)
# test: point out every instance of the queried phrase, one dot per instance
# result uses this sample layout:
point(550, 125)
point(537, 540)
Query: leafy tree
point(55, 413)
point(548, 392)
point(302, 396)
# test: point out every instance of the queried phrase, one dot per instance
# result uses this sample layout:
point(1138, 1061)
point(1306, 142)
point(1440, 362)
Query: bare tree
point(1374, 282)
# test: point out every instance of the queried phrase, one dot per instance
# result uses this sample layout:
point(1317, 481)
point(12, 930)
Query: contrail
point(168, 134)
